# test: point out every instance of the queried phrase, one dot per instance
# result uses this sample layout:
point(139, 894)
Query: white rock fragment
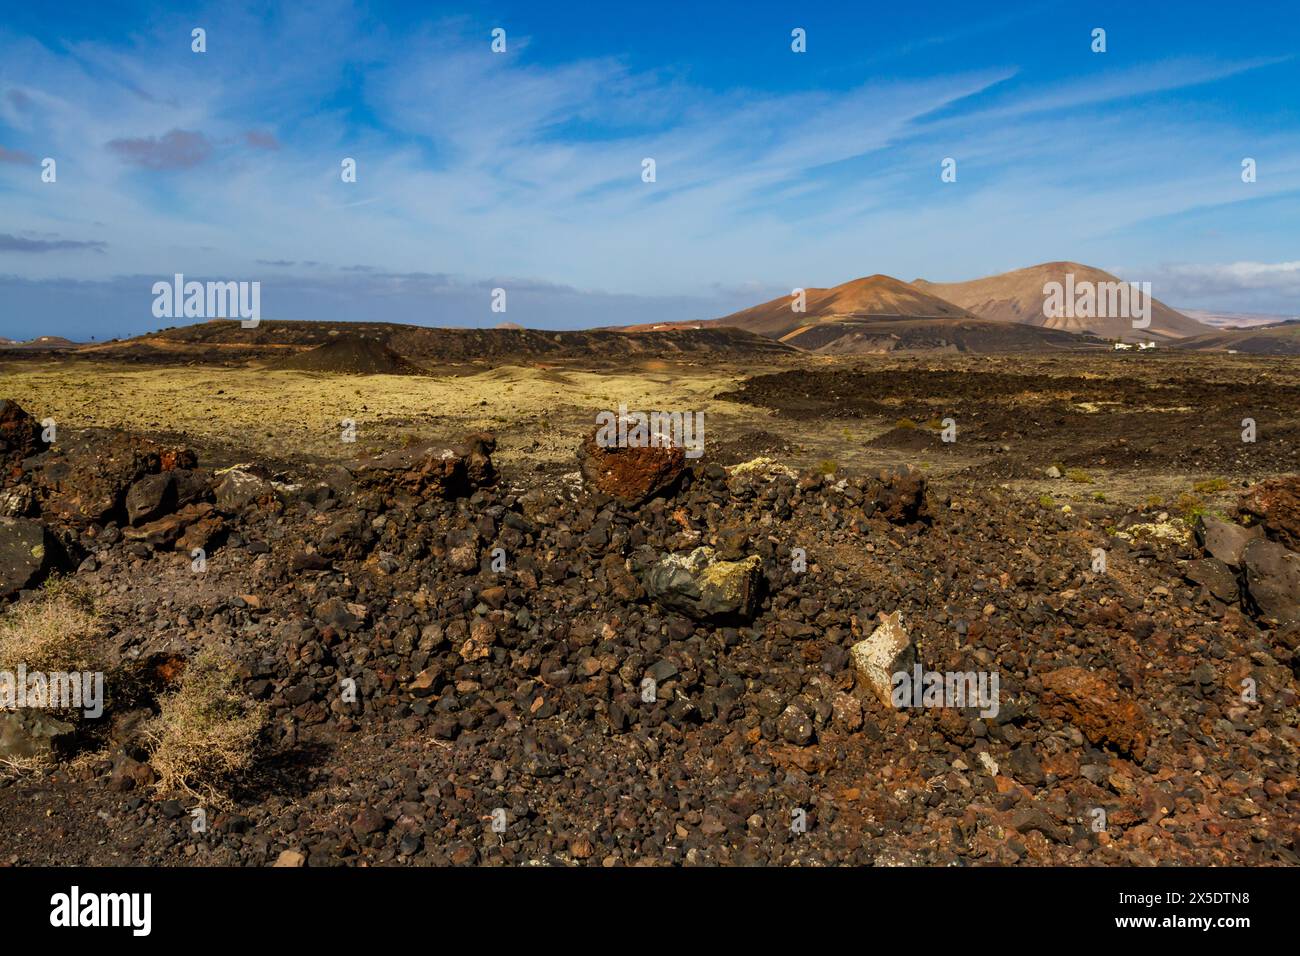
point(886, 652)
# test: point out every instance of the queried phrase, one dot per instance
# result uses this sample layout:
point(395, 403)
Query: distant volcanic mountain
point(1019, 297)
point(879, 313)
point(353, 355)
point(393, 349)
point(1282, 338)
point(1239, 320)
point(40, 342)
point(873, 297)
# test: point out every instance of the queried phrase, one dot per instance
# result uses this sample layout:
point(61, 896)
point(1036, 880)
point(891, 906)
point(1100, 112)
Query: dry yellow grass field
point(537, 413)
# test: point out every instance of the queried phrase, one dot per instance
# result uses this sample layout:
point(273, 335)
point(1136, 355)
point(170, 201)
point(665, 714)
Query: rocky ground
point(642, 659)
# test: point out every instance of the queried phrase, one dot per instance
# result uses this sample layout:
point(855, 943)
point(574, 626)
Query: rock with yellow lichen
point(762, 466)
point(705, 587)
point(23, 554)
point(1164, 529)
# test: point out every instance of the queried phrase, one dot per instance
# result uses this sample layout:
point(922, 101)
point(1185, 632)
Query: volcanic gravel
point(500, 716)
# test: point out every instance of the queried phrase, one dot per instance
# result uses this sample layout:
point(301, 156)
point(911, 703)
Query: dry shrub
point(13, 768)
point(57, 631)
point(206, 732)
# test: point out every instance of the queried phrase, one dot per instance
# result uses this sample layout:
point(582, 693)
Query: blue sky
point(522, 170)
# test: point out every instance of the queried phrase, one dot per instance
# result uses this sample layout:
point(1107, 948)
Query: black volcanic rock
point(25, 553)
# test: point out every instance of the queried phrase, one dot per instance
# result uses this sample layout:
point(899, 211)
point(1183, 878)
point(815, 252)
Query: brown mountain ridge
point(876, 296)
point(1018, 296)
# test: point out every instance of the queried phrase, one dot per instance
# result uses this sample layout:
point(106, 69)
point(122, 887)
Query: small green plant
point(1045, 501)
point(1211, 486)
point(827, 467)
point(905, 423)
point(1098, 496)
point(1078, 475)
point(1153, 501)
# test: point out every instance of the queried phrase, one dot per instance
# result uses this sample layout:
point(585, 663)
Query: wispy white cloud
point(177, 149)
point(472, 164)
point(1276, 283)
point(10, 243)
point(1137, 81)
